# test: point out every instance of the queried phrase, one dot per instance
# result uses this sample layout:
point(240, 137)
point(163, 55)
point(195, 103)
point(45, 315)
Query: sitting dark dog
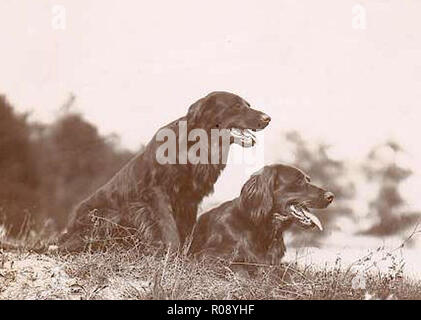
point(158, 200)
point(249, 229)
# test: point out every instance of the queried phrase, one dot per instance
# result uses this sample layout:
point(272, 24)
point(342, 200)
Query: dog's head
point(284, 192)
point(224, 110)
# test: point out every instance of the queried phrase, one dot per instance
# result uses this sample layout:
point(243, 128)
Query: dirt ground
point(35, 276)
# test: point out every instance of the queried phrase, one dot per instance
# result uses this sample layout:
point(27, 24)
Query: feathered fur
point(249, 229)
point(162, 197)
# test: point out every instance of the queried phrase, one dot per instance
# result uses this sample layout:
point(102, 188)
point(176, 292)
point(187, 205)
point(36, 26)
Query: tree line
point(47, 169)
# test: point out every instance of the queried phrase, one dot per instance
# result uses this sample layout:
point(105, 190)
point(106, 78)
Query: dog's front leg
point(186, 219)
point(161, 211)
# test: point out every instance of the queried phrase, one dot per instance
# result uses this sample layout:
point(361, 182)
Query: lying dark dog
point(249, 229)
point(161, 200)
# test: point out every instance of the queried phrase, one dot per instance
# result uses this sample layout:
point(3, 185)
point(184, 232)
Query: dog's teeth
point(246, 137)
point(305, 215)
point(314, 219)
point(236, 132)
point(248, 133)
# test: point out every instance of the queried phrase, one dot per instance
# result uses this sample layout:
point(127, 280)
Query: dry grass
point(128, 274)
point(125, 272)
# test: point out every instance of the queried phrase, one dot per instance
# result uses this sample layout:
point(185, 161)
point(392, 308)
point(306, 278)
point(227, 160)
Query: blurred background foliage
point(45, 169)
point(381, 173)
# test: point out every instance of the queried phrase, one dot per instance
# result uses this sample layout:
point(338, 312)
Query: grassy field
point(127, 274)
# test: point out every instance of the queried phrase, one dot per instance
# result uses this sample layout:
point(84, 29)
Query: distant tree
point(75, 161)
point(383, 168)
point(18, 177)
point(46, 169)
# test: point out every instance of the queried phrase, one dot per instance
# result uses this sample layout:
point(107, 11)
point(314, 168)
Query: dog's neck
point(270, 226)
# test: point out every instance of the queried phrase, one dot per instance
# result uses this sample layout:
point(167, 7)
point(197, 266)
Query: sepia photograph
point(226, 151)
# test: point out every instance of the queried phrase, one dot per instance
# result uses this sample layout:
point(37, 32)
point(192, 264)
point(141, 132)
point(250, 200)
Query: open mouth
point(304, 216)
point(243, 137)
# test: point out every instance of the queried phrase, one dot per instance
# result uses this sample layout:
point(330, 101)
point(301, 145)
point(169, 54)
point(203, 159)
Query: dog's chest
point(197, 182)
point(204, 177)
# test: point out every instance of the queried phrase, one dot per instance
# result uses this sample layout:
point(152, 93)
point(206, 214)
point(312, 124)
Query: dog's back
point(224, 233)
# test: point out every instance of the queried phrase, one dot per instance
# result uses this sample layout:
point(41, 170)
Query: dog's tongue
point(314, 219)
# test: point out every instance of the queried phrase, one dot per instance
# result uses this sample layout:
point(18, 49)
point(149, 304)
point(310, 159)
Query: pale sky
point(137, 65)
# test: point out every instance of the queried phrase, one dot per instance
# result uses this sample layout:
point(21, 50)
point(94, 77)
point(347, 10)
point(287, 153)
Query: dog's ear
point(256, 198)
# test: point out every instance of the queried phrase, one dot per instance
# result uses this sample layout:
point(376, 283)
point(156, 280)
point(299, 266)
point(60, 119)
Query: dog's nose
point(329, 196)
point(265, 118)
